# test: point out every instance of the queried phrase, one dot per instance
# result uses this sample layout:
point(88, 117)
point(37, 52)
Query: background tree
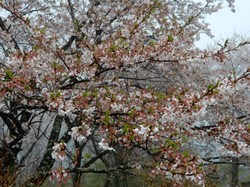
point(235, 106)
point(85, 79)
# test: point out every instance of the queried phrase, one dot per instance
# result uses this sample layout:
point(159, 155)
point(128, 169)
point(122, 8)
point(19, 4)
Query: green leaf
point(95, 94)
point(156, 150)
point(113, 48)
point(186, 153)
point(126, 128)
point(131, 112)
point(54, 65)
point(55, 95)
point(27, 88)
point(170, 143)
point(87, 155)
point(132, 137)
point(170, 38)
point(85, 94)
point(160, 95)
point(190, 19)
point(201, 164)
point(212, 87)
point(9, 74)
point(35, 47)
point(184, 139)
point(27, 20)
point(108, 120)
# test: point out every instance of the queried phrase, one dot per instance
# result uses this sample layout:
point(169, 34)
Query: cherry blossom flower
point(80, 133)
point(104, 146)
point(59, 151)
point(60, 175)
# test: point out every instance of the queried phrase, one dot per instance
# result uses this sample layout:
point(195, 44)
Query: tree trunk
point(77, 179)
point(235, 172)
point(107, 180)
point(47, 162)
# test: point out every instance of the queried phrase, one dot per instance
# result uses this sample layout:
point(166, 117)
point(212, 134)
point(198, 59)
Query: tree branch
point(69, 43)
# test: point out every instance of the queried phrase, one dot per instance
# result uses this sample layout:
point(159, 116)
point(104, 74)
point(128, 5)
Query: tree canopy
point(122, 83)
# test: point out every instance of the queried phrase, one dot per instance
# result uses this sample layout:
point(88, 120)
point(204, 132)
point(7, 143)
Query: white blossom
point(79, 134)
point(59, 151)
point(104, 146)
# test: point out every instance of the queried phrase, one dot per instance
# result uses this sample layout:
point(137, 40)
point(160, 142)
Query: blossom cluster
point(59, 151)
point(145, 132)
point(80, 133)
point(60, 175)
point(104, 146)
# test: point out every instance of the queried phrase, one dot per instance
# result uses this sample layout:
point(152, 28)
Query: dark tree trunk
point(235, 172)
point(107, 180)
point(47, 162)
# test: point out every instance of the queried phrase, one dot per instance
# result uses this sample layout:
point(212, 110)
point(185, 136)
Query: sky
point(225, 23)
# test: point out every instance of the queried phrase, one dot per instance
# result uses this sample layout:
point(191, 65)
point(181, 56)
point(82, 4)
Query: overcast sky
point(225, 23)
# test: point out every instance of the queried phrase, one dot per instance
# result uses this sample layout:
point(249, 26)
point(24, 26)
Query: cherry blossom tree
point(115, 82)
point(234, 107)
